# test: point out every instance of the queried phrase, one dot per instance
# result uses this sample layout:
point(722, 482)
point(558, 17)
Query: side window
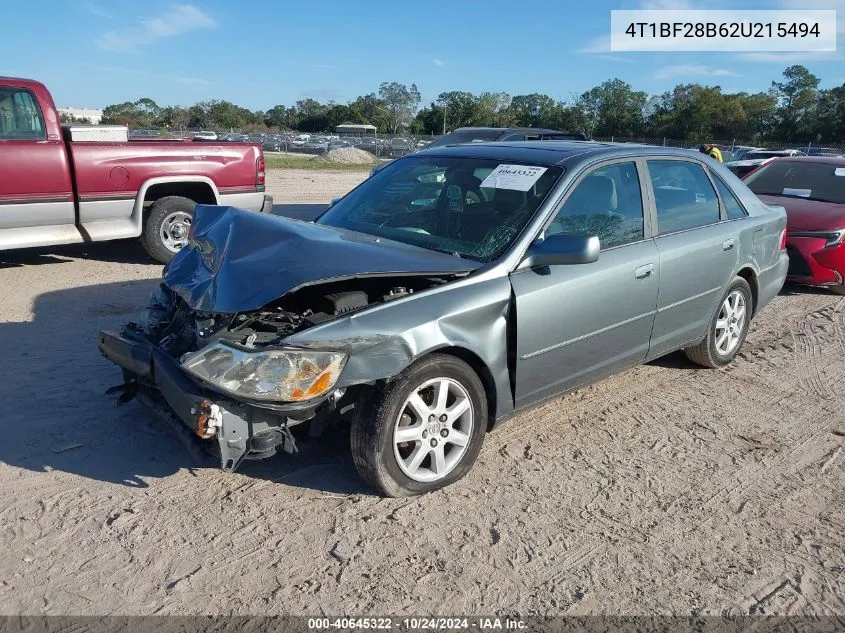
point(683, 195)
point(20, 117)
point(607, 203)
point(732, 206)
point(516, 137)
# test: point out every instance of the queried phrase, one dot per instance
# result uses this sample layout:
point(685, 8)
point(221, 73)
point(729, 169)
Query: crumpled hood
point(239, 261)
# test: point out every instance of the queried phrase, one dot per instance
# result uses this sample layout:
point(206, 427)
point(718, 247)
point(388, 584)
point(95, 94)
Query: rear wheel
point(728, 328)
point(424, 432)
point(837, 290)
point(166, 227)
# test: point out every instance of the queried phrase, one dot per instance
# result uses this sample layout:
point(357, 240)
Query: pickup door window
point(20, 117)
point(578, 323)
point(698, 252)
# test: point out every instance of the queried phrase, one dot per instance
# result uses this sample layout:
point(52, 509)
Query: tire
point(715, 351)
point(167, 219)
point(837, 290)
point(377, 456)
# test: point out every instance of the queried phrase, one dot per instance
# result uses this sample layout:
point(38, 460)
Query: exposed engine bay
point(169, 323)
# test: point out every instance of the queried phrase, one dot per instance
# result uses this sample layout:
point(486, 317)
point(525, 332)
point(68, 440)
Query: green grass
point(304, 161)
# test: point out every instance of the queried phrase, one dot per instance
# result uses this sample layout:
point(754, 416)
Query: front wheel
point(424, 431)
point(166, 227)
point(728, 328)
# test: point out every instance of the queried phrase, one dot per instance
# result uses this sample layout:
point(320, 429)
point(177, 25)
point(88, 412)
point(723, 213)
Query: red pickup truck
point(56, 188)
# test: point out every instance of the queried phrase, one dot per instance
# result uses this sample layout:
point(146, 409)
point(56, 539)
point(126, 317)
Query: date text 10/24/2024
point(417, 623)
point(723, 30)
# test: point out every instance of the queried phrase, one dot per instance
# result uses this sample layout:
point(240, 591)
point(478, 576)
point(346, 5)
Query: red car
point(813, 191)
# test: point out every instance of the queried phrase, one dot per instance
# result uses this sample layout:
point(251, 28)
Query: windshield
point(469, 207)
point(465, 136)
point(814, 181)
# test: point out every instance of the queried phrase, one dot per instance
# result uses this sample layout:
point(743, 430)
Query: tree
point(615, 107)
point(400, 103)
point(493, 109)
point(534, 110)
point(460, 108)
point(796, 97)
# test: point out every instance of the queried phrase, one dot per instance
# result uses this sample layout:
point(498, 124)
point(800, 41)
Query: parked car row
point(452, 289)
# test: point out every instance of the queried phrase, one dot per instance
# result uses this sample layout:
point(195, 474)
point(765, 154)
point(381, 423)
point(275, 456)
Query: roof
point(827, 160)
point(535, 130)
point(552, 152)
point(364, 126)
point(23, 83)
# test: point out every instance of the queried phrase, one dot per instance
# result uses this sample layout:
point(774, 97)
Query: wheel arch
point(750, 276)
point(478, 366)
point(161, 184)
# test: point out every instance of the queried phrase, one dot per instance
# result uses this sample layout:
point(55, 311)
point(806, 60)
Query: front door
point(577, 323)
point(36, 195)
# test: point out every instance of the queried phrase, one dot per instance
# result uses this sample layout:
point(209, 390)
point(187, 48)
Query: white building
point(95, 116)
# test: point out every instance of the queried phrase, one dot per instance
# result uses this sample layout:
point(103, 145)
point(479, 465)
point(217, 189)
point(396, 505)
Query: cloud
point(193, 82)
point(791, 57)
point(600, 44)
point(690, 70)
point(97, 10)
point(667, 5)
point(323, 94)
point(177, 20)
point(615, 58)
point(438, 62)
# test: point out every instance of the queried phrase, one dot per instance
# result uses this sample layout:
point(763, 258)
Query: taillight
point(783, 240)
point(260, 176)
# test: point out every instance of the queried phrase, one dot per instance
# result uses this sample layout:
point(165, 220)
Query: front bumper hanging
point(241, 431)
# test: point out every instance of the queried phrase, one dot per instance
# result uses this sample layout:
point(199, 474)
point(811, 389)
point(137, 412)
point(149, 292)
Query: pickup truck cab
point(64, 185)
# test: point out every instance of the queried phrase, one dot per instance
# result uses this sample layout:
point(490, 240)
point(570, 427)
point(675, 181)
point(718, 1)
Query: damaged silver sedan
point(450, 290)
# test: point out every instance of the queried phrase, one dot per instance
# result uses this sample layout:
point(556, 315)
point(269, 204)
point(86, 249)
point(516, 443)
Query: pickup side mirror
point(561, 249)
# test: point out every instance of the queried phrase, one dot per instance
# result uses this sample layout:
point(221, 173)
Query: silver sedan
point(452, 289)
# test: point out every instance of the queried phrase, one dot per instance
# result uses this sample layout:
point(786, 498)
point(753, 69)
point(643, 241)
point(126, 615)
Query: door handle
point(641, 272)
point(728, 244)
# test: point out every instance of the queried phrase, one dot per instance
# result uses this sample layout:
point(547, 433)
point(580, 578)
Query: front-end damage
point(156, 352)
point(263, 323)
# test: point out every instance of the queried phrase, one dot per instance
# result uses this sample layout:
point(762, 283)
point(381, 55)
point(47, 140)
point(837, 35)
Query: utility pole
point(444, 118)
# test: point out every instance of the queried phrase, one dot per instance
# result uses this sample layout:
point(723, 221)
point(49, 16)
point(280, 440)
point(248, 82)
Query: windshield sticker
point(519, 177)
point(839, 171)
point(800, 193)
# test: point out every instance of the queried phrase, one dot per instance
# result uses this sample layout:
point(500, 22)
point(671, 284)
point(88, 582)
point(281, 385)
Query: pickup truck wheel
point(423, 431)
point(166, 227)
point(728, 328)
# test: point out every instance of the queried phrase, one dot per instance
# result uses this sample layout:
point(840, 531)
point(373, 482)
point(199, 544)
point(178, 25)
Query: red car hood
point(809, 215)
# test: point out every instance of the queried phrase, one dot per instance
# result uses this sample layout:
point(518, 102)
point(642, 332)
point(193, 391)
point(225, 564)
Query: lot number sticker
point(519, 177)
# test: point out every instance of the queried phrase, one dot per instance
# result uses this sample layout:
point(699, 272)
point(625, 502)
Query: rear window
point(466, 136)
point(798, 179)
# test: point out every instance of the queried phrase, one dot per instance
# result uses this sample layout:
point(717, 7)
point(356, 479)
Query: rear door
point(577, 323)
point(36, 195)
point(698, 251)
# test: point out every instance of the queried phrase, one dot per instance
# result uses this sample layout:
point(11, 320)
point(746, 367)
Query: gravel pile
point(351, 155)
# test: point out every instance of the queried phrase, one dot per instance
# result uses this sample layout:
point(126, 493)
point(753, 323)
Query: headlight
point(284, 375)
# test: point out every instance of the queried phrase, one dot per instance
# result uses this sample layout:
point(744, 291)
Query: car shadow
point(117, 251)
point(791, 289)
point(674, 360)
point(56, 415)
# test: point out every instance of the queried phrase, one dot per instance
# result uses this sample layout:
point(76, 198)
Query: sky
point(259, 54)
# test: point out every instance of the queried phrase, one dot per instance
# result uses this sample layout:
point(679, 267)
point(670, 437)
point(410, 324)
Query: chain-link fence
point(396, 145)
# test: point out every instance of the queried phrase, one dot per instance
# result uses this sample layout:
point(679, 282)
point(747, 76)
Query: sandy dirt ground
point(666, 489)
point(300, 186)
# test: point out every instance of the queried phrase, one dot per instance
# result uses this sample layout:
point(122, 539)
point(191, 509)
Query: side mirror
point(334, 202)
point(561, 249)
